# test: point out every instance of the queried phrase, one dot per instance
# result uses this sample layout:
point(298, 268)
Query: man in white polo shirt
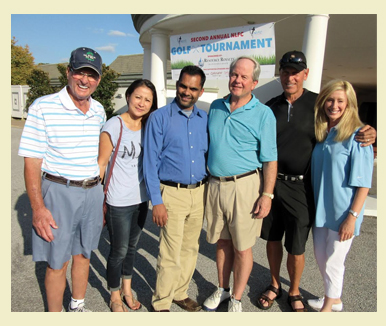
point(60, 139)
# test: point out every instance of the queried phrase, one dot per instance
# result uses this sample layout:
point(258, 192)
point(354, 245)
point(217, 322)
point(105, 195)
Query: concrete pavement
point(27, 278)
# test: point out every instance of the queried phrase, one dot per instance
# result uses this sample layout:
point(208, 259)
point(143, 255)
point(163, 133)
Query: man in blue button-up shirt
point(175, 147)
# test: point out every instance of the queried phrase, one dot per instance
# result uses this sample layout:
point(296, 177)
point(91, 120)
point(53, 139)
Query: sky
point(51, 38)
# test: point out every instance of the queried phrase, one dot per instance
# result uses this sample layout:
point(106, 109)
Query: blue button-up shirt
point(175, 148)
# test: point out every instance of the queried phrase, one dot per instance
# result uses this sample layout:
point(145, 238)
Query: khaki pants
point(179, 243)
point(229, 211)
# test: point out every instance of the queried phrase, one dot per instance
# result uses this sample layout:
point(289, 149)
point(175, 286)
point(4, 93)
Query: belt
point(181, 185)
point(282, 176)
point(233, 178)
point(86, 183)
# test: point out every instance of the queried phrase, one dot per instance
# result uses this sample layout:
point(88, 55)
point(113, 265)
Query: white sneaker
point(218, 296)
point(80, 308)
point(234, 305)
point(318, 304)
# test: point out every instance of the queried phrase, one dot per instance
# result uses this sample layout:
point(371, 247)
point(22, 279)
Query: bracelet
point(355, 214)
point(268, 195)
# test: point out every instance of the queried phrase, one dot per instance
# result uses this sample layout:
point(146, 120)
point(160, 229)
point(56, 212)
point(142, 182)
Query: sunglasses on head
point(291, 60)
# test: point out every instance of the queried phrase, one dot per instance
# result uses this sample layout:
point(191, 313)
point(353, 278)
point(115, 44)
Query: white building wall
point(18, 101)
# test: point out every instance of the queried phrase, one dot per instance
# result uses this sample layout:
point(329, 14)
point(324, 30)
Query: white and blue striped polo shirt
point(64, 137)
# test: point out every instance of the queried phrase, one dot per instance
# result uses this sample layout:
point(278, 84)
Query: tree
point(106, 89)
point(104, 92)
point(22, 63)
point(39, 84)
point(62, 67)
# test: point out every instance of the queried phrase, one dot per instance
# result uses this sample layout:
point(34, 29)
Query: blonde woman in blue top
point(341, 178)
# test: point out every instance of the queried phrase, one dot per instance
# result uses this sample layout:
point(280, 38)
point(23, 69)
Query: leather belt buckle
point(86, 183)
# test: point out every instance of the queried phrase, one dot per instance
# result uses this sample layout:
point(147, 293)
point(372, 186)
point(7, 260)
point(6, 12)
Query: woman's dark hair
point(143, 82)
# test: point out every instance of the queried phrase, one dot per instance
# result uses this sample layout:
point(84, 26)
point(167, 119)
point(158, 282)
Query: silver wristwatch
point(268, 195)
point(355, 214)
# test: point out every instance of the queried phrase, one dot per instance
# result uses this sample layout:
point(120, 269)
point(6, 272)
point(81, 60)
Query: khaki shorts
point(229, 211)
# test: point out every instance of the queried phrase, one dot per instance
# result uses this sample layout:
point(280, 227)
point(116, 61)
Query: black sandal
point(293, 298)
point(263, 296)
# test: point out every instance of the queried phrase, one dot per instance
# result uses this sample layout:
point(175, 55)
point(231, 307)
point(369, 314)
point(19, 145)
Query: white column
point(314, 44)
point(146, 61)
point(159, 55)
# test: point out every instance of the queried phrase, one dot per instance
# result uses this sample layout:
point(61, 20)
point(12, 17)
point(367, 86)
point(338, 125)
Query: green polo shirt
point(242, 140)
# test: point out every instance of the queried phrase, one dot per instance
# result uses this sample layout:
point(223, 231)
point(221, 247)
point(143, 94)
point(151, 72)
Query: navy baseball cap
point(86, 57)
point(294, 59)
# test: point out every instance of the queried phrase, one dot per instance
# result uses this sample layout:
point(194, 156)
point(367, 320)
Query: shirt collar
point(250, 105)
point(69, 104)
point(175, 109)
point(67, 101)
point(305, 90)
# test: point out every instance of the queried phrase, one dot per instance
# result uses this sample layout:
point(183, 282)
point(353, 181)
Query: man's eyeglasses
point(80, 74)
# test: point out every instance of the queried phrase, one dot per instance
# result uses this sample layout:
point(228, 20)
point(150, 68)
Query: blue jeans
point(125, 225)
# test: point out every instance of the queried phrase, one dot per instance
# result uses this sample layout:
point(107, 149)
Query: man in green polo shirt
point(242, 144)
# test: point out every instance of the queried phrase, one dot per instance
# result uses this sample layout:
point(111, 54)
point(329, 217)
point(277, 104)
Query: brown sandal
point(293, 298)
point(136, 304)
point(117, 304)
point(263, 296)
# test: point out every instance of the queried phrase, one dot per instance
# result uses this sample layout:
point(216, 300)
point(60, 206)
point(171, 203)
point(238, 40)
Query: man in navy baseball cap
point(294, 59)
point(68, 219)
point(86, 57)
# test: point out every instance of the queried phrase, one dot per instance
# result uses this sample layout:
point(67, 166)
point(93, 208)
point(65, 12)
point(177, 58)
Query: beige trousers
point(179, 243)
point(229, 211)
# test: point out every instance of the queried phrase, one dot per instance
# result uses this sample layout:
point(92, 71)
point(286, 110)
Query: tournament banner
point(213, 51)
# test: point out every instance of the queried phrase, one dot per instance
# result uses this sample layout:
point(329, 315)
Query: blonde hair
point(349, 121)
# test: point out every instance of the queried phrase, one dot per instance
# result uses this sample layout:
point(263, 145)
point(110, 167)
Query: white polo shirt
point(63, 136)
